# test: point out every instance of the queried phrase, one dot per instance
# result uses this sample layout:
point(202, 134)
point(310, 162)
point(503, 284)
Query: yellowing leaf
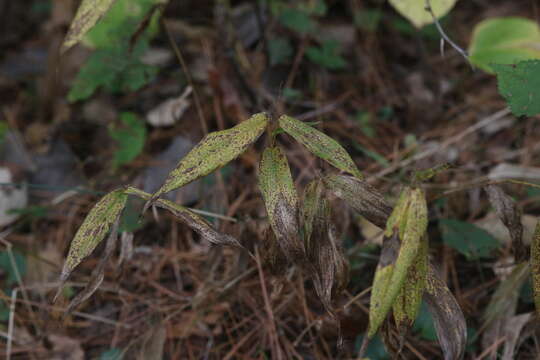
point(214, 151)
point(535, 266)
point(281, 201)
point(319, 144)
point(94, 228)
point(415, 10)
point(88, 14)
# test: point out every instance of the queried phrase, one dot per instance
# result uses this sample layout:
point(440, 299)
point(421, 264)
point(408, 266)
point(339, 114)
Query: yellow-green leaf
point(88, 14)
point(535, 266)
point(415, 10)
point(319, 144)
point(94, 228)
point(281, 201)
point(214, 151)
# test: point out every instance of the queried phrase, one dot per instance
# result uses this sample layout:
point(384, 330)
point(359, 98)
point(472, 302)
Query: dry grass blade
point(535, 266)
point(361, 196)
point(319, 144)
point(88, 14)
point(281, 201)
point(94, 229)
point(510, 215)
point(214, 151)
point(447, 317)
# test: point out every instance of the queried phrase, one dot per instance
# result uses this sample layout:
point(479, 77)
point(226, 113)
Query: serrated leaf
point(213, 152)
point(319, 144)
point(94, 228)
point(520, 86)
point(510, 215)
point(447, 316)
point(505, 40)
point(415, 10)
point(468, 239)
point(88, 14)
point(535, 267)
point(130, 139)
point(361, 196)
point(281, 201)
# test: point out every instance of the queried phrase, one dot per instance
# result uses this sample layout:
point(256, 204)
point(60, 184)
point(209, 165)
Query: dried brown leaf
point(535, 266)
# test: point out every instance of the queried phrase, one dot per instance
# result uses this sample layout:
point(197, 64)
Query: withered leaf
point(447, 316)
point(281, 201)
point(319, 144)
point(361, 196)
point(195, 222)
point(535, 266)
point(510, 215)
point(94, 229)
point(214, 151)
point(88, 14)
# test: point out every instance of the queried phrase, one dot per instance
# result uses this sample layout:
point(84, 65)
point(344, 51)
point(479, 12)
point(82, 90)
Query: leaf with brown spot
point(94, 228)
point(510, 215)
point(319, 144)
point(361, 196)
point(281, 201)
point(214, 151)
point(535, 266)
point(88, 14)
point(447, 317)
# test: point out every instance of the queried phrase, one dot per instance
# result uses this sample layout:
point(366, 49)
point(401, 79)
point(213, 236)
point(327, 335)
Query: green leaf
point(281, 201)
point(415, 10)
point(520, 86)
point(214, 151)
point(88, 14)
point(130, 139)
point(280, 50)
point(297, 20)
point(6, 264)
point(319, 144)
point(424, 324)
point(327, 55)
point(368, 19)
point(505, 40)
point(468, 239)
point(93, 230)
point(112, 354)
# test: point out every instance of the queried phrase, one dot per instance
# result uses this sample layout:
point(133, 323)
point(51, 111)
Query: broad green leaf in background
point(281, 201)
point(112, 354)
point(468, 239)
point(88, 14)
point(297, 20)
point(319, 144)
point(520, 86)
point(130, 139)
point(94, 228)
point(6, 265)
point(505, 40)
point(415, 10)
point(214, 151)
point(327, 55)
point(424, 324)
point(280, 50)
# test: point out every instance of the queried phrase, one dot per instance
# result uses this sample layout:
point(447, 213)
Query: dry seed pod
point(214, 151)
point(535, 266)
point(281, 201)
point(361, 196)
point(319, 144)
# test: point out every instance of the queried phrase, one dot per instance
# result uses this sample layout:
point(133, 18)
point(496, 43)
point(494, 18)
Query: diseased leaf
point(361, 196)
point(535, 267)
point(281, 201)
point(510, 215)
point(415, 10)
point(88, 14)
point(93, 230)
point(319, 144)
point(188, 217)
point(214, 151)
point(447, 316)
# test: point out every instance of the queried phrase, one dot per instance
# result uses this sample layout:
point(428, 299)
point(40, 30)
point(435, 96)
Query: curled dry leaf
point(510, 215)
point(88, 14)
point(281, 201)
point(535, 266)
point(188, 217)
point(447, 317)
point(93, 230)
point(214, 151)
point(319, 144)
point(361, 196)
